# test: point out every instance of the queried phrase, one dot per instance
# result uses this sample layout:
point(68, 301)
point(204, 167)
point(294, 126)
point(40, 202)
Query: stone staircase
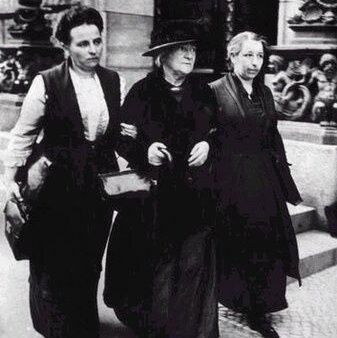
point(318, 250)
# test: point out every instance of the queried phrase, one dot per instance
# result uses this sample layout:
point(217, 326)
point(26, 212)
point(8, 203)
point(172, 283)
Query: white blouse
point(93, 108)
point(29, 127)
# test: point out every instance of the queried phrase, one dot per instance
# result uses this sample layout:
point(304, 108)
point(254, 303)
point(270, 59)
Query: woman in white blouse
point(75, 107)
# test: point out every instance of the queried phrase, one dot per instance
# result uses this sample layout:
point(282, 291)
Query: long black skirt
point(65, 267)
point(160, 284)
point(251, 243)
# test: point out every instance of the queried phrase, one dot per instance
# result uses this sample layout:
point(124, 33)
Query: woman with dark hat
point(161, 273)
point(257, 244)
point(76, 105)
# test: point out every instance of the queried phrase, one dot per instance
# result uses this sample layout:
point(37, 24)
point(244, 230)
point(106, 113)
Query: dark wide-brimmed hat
point(171, 33)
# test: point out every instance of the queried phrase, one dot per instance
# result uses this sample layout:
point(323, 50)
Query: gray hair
point(235, 44)
point(157, 60)
point(161, 56)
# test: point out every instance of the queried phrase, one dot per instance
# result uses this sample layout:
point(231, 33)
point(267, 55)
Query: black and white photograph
point(168, 168)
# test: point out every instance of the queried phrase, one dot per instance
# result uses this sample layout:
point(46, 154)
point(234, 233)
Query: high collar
point(242, 89)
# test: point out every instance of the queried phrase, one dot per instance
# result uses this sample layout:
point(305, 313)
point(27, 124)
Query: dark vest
point(64, 141)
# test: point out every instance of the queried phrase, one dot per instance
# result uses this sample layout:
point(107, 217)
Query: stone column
point(287, 8)
point(7, 6)
point(128, 28)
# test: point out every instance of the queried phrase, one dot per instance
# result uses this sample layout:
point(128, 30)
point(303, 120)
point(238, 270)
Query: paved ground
point(312, 311)
point(311, 314)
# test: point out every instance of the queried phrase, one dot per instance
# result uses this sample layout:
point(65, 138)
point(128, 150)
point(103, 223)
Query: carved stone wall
point(307, 22)
point(128, 25)
point(305, 89)
point(305, 60)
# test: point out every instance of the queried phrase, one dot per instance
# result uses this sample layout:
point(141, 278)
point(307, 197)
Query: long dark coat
point(256, 240)
point(70, 221)
point(160, 273)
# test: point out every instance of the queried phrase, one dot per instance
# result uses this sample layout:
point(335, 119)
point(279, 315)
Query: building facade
point(303, 38)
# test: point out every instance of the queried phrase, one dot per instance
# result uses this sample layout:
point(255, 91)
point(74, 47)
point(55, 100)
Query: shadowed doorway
point(259, 16)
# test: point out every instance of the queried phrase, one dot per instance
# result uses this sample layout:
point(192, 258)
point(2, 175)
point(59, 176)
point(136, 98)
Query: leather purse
point(125, 184)
point(16, 219)
point(18, 228)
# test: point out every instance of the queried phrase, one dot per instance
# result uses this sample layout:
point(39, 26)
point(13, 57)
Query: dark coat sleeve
point(132, 112)
point(287, 183)
point(210, 108)
point(136, 110)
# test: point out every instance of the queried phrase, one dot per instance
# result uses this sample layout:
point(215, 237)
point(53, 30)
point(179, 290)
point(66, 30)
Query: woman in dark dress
point(76, 105)
point(257, 245)
point(160, 273)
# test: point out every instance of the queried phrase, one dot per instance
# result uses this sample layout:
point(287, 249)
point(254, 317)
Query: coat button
point(189, 179)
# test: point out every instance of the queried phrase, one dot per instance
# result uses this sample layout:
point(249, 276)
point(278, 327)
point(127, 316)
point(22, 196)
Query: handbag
point(15, 227)
point(18, 228)
point(125, 184)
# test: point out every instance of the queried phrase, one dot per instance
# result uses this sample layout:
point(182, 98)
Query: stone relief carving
point(291, 95)
point(324, 87)
point(19, 66)
point(317, 12)
point(229, 28)
point(30, 49)
point(303, 92)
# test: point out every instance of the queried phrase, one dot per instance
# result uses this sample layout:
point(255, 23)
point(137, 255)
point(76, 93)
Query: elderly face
point(85, 47)
point(248, 62)
point(181, 60)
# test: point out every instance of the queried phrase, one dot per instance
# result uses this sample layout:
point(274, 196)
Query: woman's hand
point(128, 130)
point(13, 191)
point(11, 186)
point(157, 153)
point(199, 154)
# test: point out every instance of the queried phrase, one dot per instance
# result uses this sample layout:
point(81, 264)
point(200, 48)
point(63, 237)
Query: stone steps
point(303, 217)
point(317, 251)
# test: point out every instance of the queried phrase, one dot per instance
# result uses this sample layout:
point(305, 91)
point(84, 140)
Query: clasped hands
point(158, 153)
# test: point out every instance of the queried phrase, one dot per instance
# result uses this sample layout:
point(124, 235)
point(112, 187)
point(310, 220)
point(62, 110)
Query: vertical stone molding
point(128, 28)
point(287, 9)
point(229, 26)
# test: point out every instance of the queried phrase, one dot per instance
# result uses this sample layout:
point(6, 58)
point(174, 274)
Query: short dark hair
point(77, 16)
